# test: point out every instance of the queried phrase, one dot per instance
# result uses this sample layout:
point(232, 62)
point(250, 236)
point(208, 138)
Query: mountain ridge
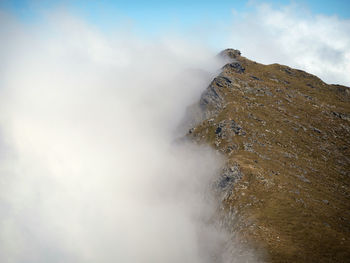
point(286, 137)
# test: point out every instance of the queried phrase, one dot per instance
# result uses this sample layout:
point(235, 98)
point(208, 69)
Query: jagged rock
point(289, 134)
point(253, 77)
point(316, 130)
point(212, 101)
point(236, 128)
point(342, 115)
point(228, 128)
point(248, 147)
point(301, 177)
point(235, 66)
point(230, 53)
point(229, 176)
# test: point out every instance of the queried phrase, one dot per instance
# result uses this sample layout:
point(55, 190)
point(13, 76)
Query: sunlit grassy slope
point(293, 149)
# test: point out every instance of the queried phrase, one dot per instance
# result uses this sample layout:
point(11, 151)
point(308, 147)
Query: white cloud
point(90, 172)
point(291, 35)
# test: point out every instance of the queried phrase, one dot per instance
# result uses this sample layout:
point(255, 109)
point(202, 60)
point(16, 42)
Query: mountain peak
point(286, 134)
point(230, 53)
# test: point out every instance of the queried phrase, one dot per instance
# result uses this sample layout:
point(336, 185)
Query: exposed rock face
point(286, 135)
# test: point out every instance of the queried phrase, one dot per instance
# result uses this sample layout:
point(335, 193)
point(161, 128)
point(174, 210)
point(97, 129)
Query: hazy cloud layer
point(293, 36)
point(89, 168)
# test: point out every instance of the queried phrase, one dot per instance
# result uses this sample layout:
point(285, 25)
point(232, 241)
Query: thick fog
point(93, 167)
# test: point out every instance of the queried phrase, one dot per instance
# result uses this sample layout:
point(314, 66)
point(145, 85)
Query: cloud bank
point(90, 171)
point(293, 36)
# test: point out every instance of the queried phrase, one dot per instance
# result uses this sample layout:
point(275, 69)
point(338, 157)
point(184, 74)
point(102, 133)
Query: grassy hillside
point(288, 135)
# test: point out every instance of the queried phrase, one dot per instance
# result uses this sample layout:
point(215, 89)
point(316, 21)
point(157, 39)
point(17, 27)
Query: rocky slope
point(286, 135)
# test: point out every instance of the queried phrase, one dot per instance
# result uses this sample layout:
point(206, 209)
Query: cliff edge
point(286, 136)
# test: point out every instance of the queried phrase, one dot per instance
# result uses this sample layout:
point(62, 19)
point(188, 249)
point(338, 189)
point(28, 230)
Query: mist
point(293, 36)
point(94, 167)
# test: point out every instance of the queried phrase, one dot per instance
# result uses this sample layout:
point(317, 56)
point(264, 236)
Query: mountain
point(286, 137)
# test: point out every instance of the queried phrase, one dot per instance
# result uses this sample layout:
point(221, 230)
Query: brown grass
point(296, 185)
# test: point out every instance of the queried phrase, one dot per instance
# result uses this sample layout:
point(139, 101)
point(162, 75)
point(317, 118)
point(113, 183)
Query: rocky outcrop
point(286, 136)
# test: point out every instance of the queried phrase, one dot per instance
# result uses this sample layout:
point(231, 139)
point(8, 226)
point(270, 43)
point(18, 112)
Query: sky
point(154, 16)
point(92, 167)
point(307, 34)
point(94, 97)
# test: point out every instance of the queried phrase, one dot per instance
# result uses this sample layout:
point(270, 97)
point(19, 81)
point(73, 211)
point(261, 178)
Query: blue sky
point(313, 35)
point(155, 15)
